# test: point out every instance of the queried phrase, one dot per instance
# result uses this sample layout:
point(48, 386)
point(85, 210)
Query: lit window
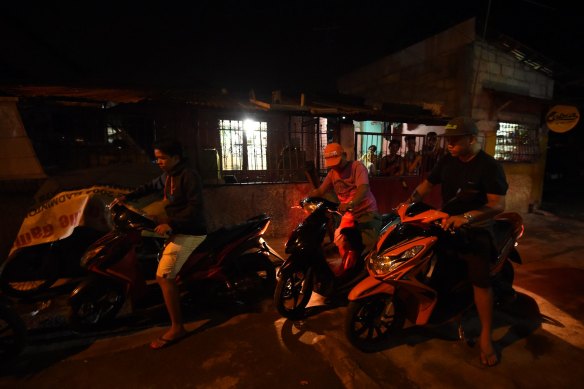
point(112, 134)
point(243, 144)
point(516, 143)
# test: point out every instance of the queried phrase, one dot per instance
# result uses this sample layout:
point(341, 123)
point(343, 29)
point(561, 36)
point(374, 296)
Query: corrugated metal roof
point(341, 105)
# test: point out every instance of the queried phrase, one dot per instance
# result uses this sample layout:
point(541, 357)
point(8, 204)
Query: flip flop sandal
point(162, 342)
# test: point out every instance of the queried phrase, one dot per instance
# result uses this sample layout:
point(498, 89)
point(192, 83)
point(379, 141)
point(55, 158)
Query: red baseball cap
point(332, 154)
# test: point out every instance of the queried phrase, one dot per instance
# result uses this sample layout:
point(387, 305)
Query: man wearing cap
point(350, 181)
point(478, 183)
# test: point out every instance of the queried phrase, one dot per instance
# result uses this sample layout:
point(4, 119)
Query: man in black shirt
point(479, 183)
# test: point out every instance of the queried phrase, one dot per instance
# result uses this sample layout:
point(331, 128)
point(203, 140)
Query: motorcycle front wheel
point(12, 333)
point(293, 292)
point(95, 304)
point(30, 271)
point(371, 321)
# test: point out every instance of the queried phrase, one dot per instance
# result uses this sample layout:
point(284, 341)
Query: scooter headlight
point(385, 262)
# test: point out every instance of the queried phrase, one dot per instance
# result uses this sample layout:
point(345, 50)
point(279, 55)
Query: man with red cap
point(350, 182)
point(478, 184)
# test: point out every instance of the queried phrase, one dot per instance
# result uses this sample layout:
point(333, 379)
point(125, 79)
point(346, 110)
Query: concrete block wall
point(233, 204)
point(429, 72)
point(500, 73)
point(498, 70)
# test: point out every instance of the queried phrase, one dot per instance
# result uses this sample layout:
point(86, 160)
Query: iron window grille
point(516, 143)
point(249, 153)
point(243, 144)
point(418, 164)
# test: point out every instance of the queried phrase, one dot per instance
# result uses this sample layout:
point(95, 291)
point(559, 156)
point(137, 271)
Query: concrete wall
point(506, 90)
point(455, 73)
point(20, 173)
point(433, 73)
point(232, 204)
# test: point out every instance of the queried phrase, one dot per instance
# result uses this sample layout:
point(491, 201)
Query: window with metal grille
point(516, 143)
point(243, 144)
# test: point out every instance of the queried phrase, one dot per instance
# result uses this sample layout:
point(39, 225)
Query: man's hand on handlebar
point(344, 207)
point(454, 222)
point(118, 200)
point(163, 229)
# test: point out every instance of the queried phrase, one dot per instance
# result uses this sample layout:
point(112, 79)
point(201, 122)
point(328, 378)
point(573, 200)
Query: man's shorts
point(177, 251)
point(369, 224)
point(478, 257)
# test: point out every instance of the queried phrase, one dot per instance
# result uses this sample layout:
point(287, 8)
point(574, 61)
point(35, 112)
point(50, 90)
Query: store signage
point(562, 118)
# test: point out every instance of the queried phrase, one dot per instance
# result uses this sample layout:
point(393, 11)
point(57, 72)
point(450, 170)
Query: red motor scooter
point(235, 260)
point(416, 276)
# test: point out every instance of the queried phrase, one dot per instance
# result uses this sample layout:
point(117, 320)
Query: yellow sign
point(562, 118)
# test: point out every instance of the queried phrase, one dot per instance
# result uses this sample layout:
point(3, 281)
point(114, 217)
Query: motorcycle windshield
point(309, 233)
point(402, 233)
point(110, 248)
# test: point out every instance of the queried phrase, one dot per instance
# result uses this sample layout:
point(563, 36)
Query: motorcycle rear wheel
point(371, 321)
point(30, 271)
point(12, 333)
point(95, 304)
point(293, 292)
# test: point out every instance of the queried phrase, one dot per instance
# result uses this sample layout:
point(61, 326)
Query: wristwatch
point(469, 218)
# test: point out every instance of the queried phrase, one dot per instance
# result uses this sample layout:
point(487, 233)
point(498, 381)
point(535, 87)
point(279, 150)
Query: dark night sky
point(288, 45)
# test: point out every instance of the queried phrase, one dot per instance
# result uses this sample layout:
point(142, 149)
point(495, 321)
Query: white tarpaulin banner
point(57, 217)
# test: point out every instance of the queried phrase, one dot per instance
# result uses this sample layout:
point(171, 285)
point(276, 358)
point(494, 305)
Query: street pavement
point(540, 337)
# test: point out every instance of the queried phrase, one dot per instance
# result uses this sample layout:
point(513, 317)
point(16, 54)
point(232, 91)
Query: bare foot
point(489, 355)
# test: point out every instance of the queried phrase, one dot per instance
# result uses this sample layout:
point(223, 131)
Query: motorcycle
point(13, 333)
point(416, 277)
point(234, 261)
point(29, 271)
point(308, 254)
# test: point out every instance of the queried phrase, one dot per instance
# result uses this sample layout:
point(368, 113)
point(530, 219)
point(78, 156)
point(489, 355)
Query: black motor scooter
point(29, 271)
point(310, 257)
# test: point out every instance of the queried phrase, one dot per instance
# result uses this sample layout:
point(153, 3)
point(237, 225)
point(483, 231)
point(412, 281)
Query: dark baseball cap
point(461, 125)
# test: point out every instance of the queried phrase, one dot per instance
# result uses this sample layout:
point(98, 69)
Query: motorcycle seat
point(224, 235)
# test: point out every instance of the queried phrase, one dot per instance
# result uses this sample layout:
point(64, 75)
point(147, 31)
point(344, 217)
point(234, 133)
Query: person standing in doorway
point(392, 164)
point(371, 160)
point(412, 159)
point(431, 152)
